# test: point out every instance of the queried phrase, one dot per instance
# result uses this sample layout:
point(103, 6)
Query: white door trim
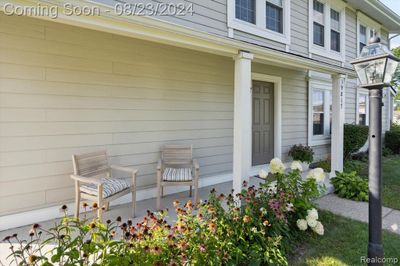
point(277, 81)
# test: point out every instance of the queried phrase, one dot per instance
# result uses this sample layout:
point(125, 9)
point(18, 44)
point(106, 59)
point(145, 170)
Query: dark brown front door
point(263, 122)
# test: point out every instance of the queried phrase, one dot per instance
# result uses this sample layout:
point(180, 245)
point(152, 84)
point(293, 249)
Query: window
point(335, 30)
point(268, 19)
point(322, 112)
point(366, 29)
point(319, 38)
point(273, 15)
point(319, 108)
point(363, 106)
point(245, 10)
point(327, 28)
point(318, 112)
point(319, 29)
point(363, 37)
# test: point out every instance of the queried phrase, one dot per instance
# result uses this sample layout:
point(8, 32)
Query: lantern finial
point(374, 39)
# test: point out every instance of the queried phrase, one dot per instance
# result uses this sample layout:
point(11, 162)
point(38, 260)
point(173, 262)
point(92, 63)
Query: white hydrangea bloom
point(302, 224)
point(311, 221)
point(318, 174)
point(276, 166)
point(296, 165)
point(289, 207)
point(313, 213)
point(263, 173)
point(318, 228)
point(272, 189)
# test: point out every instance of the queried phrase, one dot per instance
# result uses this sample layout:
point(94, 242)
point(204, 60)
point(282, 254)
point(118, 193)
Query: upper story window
point(366, 29)
point(274, 15)
point(326, 28)
point(246, 10)
point(266, 18)
point(318, 26)
point(363, 37)
point(335, 30)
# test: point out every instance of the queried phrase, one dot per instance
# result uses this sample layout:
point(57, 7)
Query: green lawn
point(391, 180)
point(344, 242)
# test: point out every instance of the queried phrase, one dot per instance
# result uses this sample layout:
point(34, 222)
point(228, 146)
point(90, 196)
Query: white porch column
point(242, 124)
point(338, 111)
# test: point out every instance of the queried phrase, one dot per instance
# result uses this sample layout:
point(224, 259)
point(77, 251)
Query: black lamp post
point(375, 68)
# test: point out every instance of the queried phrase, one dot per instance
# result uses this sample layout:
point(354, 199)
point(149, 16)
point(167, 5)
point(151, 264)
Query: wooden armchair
point(94, 181)
point(176, 168)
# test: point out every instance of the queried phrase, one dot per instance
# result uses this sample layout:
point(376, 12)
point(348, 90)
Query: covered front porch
point(130, 90)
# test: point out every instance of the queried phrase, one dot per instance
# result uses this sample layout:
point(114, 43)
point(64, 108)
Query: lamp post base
point(375, 254)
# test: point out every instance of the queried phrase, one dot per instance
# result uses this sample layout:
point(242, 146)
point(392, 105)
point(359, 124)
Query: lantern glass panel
point(391, 67)
point(371, 72)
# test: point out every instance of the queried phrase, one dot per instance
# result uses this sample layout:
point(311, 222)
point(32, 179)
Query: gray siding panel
point(243, 36)
point(350, 103)
point(299, 27)
point(351, 35)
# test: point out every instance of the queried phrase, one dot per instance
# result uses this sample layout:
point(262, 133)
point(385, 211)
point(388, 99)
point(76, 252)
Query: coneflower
point(32, 259)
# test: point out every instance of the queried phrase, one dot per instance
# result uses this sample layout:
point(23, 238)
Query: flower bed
point(260, 231)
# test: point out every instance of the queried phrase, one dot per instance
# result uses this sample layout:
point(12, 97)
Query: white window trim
point(363, 92)
point(259, 28)
point(369, 24)
point(318, 81)
point(326, 50)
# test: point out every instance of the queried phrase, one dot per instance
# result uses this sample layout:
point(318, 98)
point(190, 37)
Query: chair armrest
point(196, 164)
point(159, 165)
point(124, 169)
point(87, 180)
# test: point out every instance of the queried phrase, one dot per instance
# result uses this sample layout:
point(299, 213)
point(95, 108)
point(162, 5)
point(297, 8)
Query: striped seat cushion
point(111, 186)
point(177, 174)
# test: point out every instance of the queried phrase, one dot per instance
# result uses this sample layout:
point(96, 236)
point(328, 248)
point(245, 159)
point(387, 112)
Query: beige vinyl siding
point(66, 90)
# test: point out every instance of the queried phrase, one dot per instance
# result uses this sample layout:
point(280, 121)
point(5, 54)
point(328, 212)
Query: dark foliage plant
point(392, 139)
point(355, 136)
point(302, 153)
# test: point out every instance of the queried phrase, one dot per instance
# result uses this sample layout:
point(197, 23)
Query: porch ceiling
point(151, 29)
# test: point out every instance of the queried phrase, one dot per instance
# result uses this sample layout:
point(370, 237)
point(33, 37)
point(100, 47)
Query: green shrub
point(350, 186)
point(260, 232)
point(392, 140)
point(355, 137)
point(354, 166)
point(302, 153)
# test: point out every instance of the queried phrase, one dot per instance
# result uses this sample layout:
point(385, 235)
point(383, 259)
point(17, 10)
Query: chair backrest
point(177, 154)
point(93, 164)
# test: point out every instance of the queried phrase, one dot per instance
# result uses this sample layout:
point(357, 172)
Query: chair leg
point(159, 190)
point(100, 203)
point(196, 195)
point(133, 202)
point(77, 199)
point(190, 191)
point(162, 192)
